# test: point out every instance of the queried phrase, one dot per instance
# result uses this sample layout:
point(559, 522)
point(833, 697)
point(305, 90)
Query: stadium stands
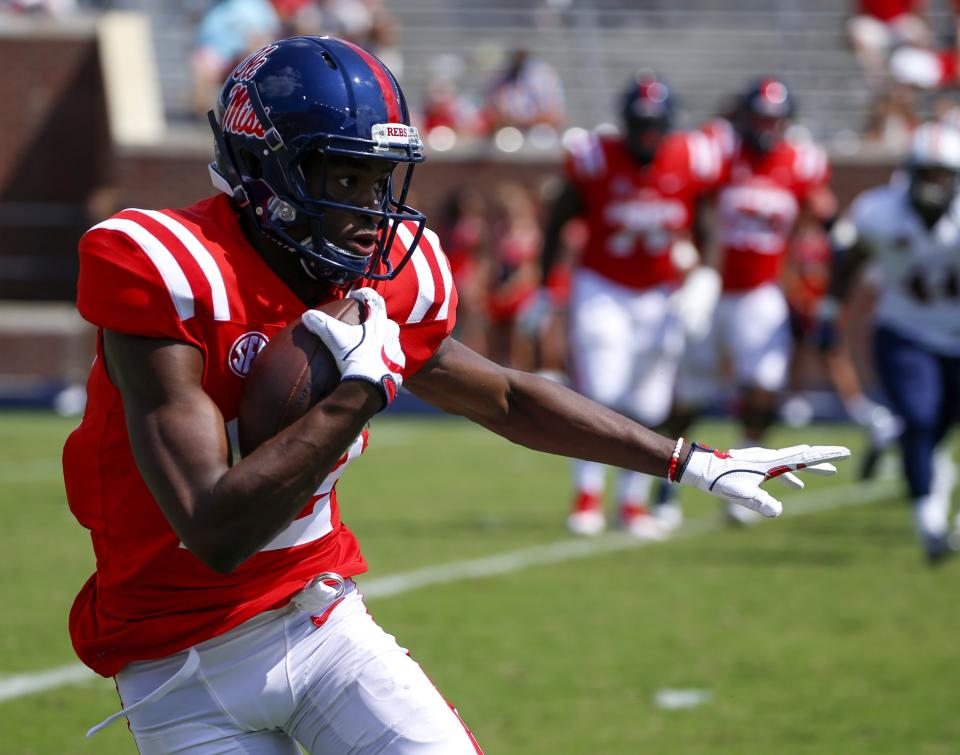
point(706, 51)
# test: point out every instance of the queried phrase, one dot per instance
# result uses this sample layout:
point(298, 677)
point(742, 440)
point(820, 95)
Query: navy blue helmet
point(308, 96)
point(647, 108)
point(762, 112)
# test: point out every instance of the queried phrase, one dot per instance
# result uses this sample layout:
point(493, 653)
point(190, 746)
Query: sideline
point(851, 494)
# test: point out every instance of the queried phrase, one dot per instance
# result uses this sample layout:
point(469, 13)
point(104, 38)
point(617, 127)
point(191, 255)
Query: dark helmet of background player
point(299, 98)
point(933, 165)
point(762, 113)
point(647, 108)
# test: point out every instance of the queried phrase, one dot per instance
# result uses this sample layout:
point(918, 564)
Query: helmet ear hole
point(331, 63)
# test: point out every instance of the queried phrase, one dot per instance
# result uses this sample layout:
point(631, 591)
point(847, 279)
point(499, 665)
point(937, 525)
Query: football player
point(638, 194)
point(223, 601)
point(766, 183)
point(907, 233)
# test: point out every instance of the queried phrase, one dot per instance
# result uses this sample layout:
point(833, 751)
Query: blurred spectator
point(39, 7)
point(227, 32)
point(527, 93)
point(515, 275)
point(366, 23)
point(446, 114)
point(879, 26)
point(891, 41)
point(462, 228)
point(893, 117)
point(924, 68)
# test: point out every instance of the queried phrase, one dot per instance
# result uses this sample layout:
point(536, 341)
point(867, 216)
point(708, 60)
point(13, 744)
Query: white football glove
point(736, 475)
point(695, 301)
point(369, 351)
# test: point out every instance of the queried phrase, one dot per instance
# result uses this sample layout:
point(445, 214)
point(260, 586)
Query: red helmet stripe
point(384, 80)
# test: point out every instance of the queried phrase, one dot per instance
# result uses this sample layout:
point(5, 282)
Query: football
point(289, 375)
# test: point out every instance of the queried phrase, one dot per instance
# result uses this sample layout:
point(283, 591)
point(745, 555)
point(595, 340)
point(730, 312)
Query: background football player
point(638, 194)
point(907, 234)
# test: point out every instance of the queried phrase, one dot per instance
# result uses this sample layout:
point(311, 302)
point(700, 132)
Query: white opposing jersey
point(916, 269)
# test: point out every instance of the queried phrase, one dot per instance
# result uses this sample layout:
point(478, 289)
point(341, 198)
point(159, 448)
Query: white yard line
point(39, 681)
point(18, 685)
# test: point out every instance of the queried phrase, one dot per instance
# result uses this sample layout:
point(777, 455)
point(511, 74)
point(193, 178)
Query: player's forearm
point(257, 498)
point(565, 207)
point(548, 417)
point(848, 259)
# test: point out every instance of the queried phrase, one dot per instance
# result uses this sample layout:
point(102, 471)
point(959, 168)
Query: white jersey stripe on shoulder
point(166, 263)
point(445, 273)
point(426, 291)
point(699, 151)
point(588, 156)
point(221, 307)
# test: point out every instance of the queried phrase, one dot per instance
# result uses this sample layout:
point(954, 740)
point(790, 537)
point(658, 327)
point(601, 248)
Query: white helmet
point(933, 164)
point(935, 145)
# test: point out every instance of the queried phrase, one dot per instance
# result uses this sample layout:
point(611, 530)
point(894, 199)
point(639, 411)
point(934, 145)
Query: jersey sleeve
point(584, 161)
point(811, 169)
point(422, 300)
point(723, 135)
point(693, 160)
point(122, 288)
point(866, 213)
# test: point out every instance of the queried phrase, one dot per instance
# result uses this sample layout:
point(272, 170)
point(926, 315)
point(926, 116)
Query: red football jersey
point(191, 275)
point(758, 203)
point(634, 213)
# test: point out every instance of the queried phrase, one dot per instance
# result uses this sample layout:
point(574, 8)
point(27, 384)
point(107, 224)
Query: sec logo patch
point(244, 351)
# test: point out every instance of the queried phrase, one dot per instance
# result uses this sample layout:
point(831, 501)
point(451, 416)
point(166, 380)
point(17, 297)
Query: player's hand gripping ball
point(293, 372)
point(370, 351)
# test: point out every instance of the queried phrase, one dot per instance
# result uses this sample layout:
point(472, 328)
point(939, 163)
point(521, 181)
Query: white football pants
point(624, 349)
point(278, 679)
point(752, 331)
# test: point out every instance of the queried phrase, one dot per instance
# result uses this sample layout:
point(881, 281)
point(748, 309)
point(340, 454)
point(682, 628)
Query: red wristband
point(674, 460)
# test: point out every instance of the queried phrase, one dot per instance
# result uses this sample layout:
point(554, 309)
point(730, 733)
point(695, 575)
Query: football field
point(821, 632)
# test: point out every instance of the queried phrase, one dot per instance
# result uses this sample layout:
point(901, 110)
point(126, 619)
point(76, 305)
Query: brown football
point(289, 375)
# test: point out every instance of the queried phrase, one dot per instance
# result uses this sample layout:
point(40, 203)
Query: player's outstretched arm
point(545, 416)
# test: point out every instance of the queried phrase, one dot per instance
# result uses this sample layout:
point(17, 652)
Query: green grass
point(822, 633)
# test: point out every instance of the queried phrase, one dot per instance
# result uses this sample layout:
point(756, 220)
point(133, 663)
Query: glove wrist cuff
point(685, 462)
point(387, 386)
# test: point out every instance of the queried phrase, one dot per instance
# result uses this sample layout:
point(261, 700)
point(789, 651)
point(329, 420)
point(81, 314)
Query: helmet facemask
point(647, 112)
point(933, 165)
point(644, 136)
point(933, 188)
point(763, 113)
point(303, 208)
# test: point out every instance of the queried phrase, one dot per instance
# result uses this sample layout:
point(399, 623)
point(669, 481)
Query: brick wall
point(53, 155)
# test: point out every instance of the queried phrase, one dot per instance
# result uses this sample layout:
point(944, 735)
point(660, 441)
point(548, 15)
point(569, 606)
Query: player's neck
point(286, 266)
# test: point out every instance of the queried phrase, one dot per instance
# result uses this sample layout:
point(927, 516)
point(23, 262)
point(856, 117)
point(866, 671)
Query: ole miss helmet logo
point(239, 116)
point(246, 70)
